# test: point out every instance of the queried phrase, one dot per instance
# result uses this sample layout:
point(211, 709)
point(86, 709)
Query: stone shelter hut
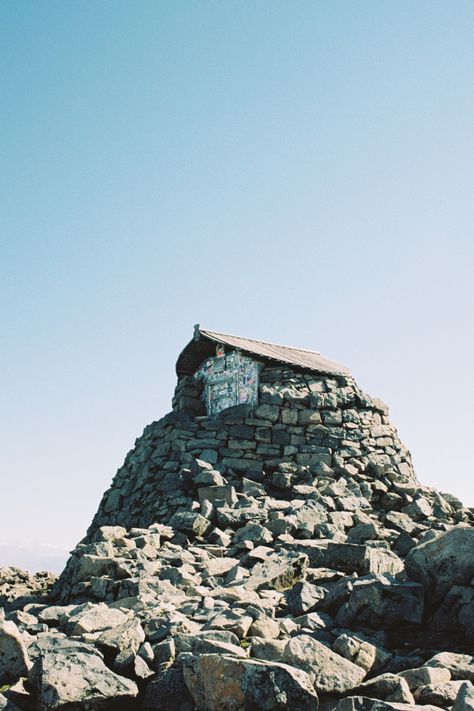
point(260, 413)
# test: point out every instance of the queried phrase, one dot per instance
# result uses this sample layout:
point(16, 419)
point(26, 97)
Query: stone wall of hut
point(304, 426)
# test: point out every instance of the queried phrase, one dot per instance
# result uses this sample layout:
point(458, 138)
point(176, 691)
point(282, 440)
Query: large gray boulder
point(14, 661)
point(279, 571)
point(349, 557)
point(91, 618)
point(329, 672)
point(388, 687)
point(223, 683)
point(123, 641)
point(465, 698)
point(461, 666)
point(66, 676)
point(440, 694)
point(168, 692)
point(443, 562)
point(383, 604)
point(368, 655)
point(455, 615)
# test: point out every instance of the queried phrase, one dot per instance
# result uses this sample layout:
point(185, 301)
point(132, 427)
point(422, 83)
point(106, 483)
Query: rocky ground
point(286, 590)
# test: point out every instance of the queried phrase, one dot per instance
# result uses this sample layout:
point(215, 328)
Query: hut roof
point(203, 344)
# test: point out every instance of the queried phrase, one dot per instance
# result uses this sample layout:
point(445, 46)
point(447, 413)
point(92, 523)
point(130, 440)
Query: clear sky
point(295, 171)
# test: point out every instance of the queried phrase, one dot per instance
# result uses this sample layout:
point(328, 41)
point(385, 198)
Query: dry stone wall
point(304, 426)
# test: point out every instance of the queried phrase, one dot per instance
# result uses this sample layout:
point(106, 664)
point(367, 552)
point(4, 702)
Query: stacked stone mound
point(305, 426)
point(278, 558)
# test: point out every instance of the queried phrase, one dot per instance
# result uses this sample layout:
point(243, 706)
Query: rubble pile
point(277, 556)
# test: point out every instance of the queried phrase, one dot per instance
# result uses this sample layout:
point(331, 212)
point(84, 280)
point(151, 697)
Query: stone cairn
point(277, 556)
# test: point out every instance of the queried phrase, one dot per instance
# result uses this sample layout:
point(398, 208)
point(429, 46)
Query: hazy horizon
point(300, 173)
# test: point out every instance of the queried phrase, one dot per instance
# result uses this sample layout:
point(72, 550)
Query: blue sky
point(300, 172)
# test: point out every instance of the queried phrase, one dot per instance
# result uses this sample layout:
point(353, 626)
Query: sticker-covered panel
point(229, 379)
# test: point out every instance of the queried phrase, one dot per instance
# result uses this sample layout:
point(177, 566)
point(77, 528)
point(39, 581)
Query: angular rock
point(350, 557)
point(465, 698)
point(443, 562)
point(123, 641)
point(168, 692)
point(329, 672)
point(303, 597)
point(279, 571)
point(220, 683)
point(383, 604)
point(63, 678)
point(95, 618)
point(231, 621)
point(365, 654)
point(209, 642)
point(190, 522)
point(14, 661)
point(388, 687)
point(461, 666)
point(425, 675)
point(440, 694)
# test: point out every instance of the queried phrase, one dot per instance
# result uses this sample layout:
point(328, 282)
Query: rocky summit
point(265, 546)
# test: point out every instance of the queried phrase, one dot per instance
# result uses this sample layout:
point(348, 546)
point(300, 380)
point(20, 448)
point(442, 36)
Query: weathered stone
point(303, 597)
point(279, 571)
point(270, 650)
point(439, 694)
point(443, 562)
point(215, 494)
point(253, 532)
point(267, 412)
point(425, 675)
point(329, 672)
point(212, 641)
point(465, 698)
point(65, 679)
point(232, 621)
point(94, 618)
point(14, 661)
point(358, 650)
point(311, 492)
point(124, 640)
point(455, 615)
point(461, 666)
point(349, 557)
point(190, 522)
point(220, 683)
point(89, 566)
point(388, 687)
point(383, 604)
point(168, 692)
point(264, 627)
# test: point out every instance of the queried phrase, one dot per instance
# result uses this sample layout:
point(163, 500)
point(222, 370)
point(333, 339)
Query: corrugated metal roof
point(302, 358)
